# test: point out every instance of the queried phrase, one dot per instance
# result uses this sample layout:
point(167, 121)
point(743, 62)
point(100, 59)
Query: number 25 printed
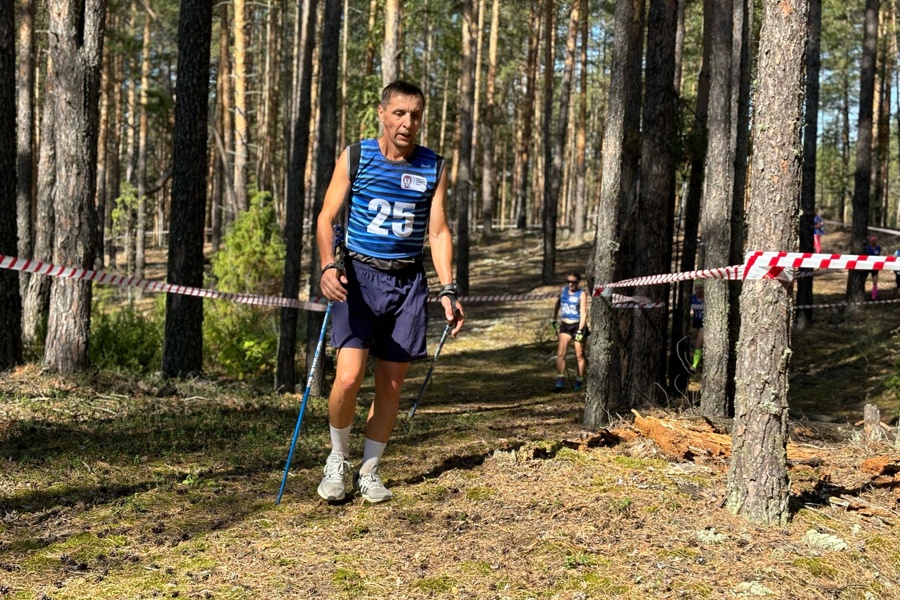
point(402, 226)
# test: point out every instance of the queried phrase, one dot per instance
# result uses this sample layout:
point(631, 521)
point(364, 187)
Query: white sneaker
point(333, 487)
point(371, 488)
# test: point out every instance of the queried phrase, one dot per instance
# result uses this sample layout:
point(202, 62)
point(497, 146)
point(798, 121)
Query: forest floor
point(115, 486)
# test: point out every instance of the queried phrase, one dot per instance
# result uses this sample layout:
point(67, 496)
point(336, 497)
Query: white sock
point(340, 440)
point(372, 452)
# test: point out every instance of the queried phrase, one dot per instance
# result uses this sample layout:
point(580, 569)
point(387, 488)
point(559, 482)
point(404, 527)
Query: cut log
point(688, 440)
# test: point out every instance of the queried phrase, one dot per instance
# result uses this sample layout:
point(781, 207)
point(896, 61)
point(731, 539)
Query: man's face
point(401, 119)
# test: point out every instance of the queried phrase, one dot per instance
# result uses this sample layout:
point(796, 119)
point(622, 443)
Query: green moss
point(816, 566)
point(348, 580)
point(435, 585)
point(479, 493)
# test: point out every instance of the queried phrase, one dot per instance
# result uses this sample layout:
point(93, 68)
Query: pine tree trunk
point(758, 486)
point(390, 55)
point(557, 142)
point(115, 143)
point(183, 344)
point(24, 92)
point(717, 212)
point(487, 144)
point(106, 90)
point(856, 279)
point(271, 92)
point(241, 107)
point(10, 297)
point(526, 124)
point(226, 74)
point(285, 371)
point(653, 247)
point(690, 211)
point(578, 219)
point(325, 161)
point(140, 241)
point(810, 138)
point(131, 145)
point(885, 71)
point(604, 392)
point(464, 183)
point(76, 49)
point(37, 298)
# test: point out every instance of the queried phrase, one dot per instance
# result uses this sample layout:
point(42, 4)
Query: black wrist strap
point(331, 266)
point(451, 290)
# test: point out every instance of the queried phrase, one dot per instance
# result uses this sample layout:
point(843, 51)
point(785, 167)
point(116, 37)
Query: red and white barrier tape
point(734, 272)
point(42, 268)
point(758, 265)
point(774, 262)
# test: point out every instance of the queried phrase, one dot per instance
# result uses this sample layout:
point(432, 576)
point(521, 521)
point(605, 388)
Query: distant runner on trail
point(697, 306)
point(395, 194)
point(571, 305)
point(873, 249)
point(818, 231)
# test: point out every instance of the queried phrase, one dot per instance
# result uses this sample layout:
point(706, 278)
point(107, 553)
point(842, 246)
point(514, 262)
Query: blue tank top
point(570, 304)
point(390, 203)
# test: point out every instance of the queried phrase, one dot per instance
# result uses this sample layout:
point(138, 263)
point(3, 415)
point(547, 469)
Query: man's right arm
point(332, 282)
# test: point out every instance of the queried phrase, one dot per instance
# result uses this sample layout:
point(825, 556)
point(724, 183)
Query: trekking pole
point(338, 240)
point(309, 380)
point(412, 410)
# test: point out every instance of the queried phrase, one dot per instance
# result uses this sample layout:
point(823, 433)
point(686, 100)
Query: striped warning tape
point(314, 304)
point(42, 268)
point(758, 265)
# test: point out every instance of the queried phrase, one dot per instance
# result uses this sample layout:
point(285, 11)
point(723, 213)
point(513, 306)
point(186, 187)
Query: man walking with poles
point(395, 192)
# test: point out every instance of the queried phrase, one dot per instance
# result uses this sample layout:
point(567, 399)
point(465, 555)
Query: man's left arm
point(441, 242)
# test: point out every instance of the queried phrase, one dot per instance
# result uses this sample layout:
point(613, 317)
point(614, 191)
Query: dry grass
point(115, 487)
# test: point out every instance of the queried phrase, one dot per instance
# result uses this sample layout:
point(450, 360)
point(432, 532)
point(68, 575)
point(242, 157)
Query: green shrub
point(243, 339)
point(126, 339)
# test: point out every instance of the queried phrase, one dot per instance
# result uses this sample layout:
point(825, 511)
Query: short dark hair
point(403, 88)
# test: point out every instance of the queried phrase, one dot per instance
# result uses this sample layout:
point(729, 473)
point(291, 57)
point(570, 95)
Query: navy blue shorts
point(385, 312)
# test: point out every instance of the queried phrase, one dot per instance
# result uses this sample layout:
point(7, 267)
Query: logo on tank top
point(413, 182)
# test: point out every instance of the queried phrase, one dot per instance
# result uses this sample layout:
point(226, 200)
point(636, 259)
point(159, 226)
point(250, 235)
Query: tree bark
point(604, 392)
point(557, 142)
point(325, 161)
point(526, 125)
point(717, 213)
point(183, 344)
point(37, 299)
point(885, 62)
point(550, 203)
point(690, 212)
point(488, 200)
point(464, 183)
point(810, 138)
point(23, 61)
point(131, 128)
point(856, 279)
point(285, 372)
point(140, 236)
point(106, 93)
point(758, 486)
point(227, 153)
point(740, 134)
point(390, 55)
point(241, 107)
point(76, 49)
point(656, 202)
point(10, 297)
point(581, 200)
